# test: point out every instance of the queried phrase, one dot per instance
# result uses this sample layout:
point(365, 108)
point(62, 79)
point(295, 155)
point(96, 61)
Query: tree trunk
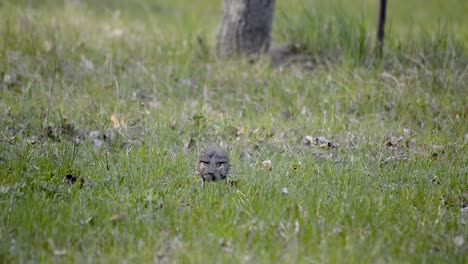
point(245, 27)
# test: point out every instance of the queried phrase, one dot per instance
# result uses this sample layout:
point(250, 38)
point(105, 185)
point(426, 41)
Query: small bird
point(213, 165)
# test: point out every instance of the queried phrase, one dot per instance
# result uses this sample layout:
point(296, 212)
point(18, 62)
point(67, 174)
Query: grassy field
point(104, 106)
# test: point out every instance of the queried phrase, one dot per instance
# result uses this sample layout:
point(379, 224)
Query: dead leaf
point(118, 123)
point(239, 131)
point(267, 164)
point(308, 140)
point(255, 131)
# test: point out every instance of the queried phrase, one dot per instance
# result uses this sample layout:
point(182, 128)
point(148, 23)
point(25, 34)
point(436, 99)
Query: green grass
point(68, 66)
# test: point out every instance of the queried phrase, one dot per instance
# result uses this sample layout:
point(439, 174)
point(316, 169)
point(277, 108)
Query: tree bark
point(245, 27)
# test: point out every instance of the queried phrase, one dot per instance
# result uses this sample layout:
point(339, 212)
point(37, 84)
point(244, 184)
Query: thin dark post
point(381, 26)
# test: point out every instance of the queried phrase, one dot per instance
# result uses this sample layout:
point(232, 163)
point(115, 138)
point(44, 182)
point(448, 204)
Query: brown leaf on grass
point(308, 140)
point(238, 130)
point(267, 165)
point(255, 131)
point(118, 123)
point(189, 145)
